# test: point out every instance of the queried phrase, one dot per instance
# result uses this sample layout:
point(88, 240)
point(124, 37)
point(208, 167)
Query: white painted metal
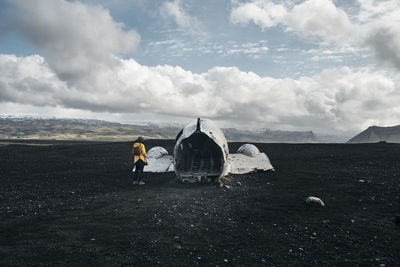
point(240, 163)
point(161, 164)
point(157, 152)
point(158, 160)
point(247, 159)
point(209, 128)
point(248, 150)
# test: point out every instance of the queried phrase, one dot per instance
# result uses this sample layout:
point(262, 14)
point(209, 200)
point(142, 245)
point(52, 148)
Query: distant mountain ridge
point(374, 134)
point(270, 136)
point(80, 129)
point(99, 130)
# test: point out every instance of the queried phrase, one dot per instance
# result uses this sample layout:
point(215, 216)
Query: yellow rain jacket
point(142, 156)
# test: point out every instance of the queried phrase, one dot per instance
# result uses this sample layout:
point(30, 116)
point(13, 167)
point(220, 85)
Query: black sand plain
point(73, 204)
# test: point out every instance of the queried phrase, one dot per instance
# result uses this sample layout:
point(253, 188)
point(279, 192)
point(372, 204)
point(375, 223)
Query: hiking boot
point(141, 183)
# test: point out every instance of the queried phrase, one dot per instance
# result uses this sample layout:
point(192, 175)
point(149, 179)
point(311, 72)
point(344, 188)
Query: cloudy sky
point(321, 65)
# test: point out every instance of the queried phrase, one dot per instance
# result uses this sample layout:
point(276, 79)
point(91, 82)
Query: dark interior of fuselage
point(199, 156)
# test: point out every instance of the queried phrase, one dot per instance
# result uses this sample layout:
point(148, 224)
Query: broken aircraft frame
point(201, 154)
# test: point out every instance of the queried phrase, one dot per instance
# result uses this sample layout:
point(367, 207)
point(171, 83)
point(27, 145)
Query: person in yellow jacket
point(139, 160)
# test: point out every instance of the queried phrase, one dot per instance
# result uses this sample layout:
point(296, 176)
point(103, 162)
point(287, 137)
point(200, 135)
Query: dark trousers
point(139, 165)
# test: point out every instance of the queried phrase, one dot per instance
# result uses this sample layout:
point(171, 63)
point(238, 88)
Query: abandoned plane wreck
point(201, 154)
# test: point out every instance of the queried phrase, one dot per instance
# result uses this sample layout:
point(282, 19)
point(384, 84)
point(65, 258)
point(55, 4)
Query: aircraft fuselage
point(201, 152)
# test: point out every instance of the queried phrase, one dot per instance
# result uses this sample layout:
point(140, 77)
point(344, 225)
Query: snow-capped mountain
point(31, 127)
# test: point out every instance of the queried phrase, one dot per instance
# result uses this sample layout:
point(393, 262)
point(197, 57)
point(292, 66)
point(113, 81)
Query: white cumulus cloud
point(374, 24)
point(339, 98)
point(319, 18)
point(79, 38)
point(86, 74)
point(263, 13)
point(381, 20)
point(28, 80)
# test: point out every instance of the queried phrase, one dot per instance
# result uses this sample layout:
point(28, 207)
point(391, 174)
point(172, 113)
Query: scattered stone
point(361, 181)
point(225, 182)
point(316, 200)
point(239, 184)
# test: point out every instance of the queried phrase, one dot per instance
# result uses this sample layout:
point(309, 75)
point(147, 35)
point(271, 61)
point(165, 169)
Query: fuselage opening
point(199, 158)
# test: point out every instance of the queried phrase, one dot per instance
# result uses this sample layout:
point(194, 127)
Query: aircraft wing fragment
point(158, 160)
point(241, 163)
point(161, 164)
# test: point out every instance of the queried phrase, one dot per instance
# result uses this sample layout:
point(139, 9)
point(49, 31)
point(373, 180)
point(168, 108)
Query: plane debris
point(201, 154)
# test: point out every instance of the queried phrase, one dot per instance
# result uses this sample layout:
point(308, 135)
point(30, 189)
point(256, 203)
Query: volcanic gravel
point(74, 204)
